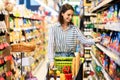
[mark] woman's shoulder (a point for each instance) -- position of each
(54, 26)
(57, 24)
(73, 26)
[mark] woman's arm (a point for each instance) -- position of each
(83, 39)
(51, 44)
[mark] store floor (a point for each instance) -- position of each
(41, 70)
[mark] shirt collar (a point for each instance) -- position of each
(59, 25)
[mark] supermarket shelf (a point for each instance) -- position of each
(90, 14)
(85, 79)
(112, 26)
(114, 51)
(96, 78)
(113, 29)
(111, 54)
(87, 33)
(40, 18)
(95, 59)
(103, 3)
(88, 59)
(19, 29)
(72, 3)
(88, 48)
(23, 39)
(29, 37)
(107, 77)
(88, 22)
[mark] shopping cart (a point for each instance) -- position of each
(57, 71)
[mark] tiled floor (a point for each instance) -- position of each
(41, 70)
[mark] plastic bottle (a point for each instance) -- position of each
(58, 78)
(52, 78)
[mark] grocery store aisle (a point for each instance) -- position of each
(41, 70)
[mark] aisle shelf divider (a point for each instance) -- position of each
(90, 14)
(103, 3)
(72, 3)
(110, 26)
(114, 26)
(29, 28)
(87, 33)
(107, 77)
(88, 48)
(109, 53)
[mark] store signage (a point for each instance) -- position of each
(27, 61)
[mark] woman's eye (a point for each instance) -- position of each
(70, 15)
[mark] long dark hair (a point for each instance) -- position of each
(63, 9)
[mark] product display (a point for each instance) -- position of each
(106, 53)
(22, 40)
(6, 59)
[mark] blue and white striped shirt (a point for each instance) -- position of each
(60, 40)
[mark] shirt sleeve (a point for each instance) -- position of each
(83, 39)
(51, 44)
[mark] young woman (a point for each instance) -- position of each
(63, 36)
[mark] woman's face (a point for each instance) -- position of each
(67, 16)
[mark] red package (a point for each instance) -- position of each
(9, 73)
(1, 78)
(68, 76)
(7, 58)
(1, 61)
(66, 69)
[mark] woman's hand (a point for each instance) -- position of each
(51, 65)
(98, 39)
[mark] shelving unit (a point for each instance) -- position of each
(111, 54)
(107, 77)
(105, 54)
(34, 32)
(15, 27)
(85, 21)
(6, 59)
(103, 5)
(111, 26)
